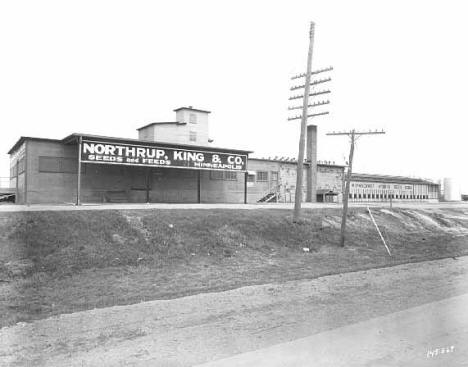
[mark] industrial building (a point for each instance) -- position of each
(176, 162)
(366, 187)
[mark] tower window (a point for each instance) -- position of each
(193, 136)
(193, 118)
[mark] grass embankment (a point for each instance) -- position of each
(61, 262)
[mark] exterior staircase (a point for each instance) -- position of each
(268, 197)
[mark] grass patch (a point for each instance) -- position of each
(62, 262)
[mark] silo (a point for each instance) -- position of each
(451, 190)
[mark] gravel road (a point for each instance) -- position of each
(201, 328)
(130, 206)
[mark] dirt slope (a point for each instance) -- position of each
(53, 263)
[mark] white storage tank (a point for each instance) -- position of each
(451, 190)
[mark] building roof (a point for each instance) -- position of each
(72, 138)
(191, 109)
(387, 178)
(294, 161)
(162, 123)
(22, 139)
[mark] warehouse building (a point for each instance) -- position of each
(366, 187)
(170, 162)
(176, 162)
(274, 180)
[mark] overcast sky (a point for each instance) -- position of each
(109, 67)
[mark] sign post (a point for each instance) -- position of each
(78, 183)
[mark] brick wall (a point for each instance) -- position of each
(329, 177)
(47, 187)
(104, 183)
(285, 186)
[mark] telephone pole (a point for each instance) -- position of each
(305, 115)
(354, 135)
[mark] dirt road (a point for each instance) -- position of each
(148, 206)
(434, 334)
(201, 328)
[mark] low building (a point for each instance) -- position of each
(160, 166)
(365, 187)
(274, 180)
(176, 162)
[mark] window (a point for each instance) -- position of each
(21, 165)
(58, 165)
(216, 175)
(250, 178)
(262, 176)
(193, 118)
(13, 171)
(49, 164)
(193, 136)
(226, 176)
(230, 176)
(274, 176)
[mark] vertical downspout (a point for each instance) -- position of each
(17, 183)
(245, 186)
(26, 157)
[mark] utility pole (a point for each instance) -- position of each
(354, 135)
(305, 116)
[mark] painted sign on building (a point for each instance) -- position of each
(379, 186)
(153, 156)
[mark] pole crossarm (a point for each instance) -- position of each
(354, 135)
(310, 94)
(314, 82)
(319, 103)
(356, 132)
(311, 115)
(329, 68)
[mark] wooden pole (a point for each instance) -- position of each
(347, 188)
(354, 135)
(78, 184)
(300, 159)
